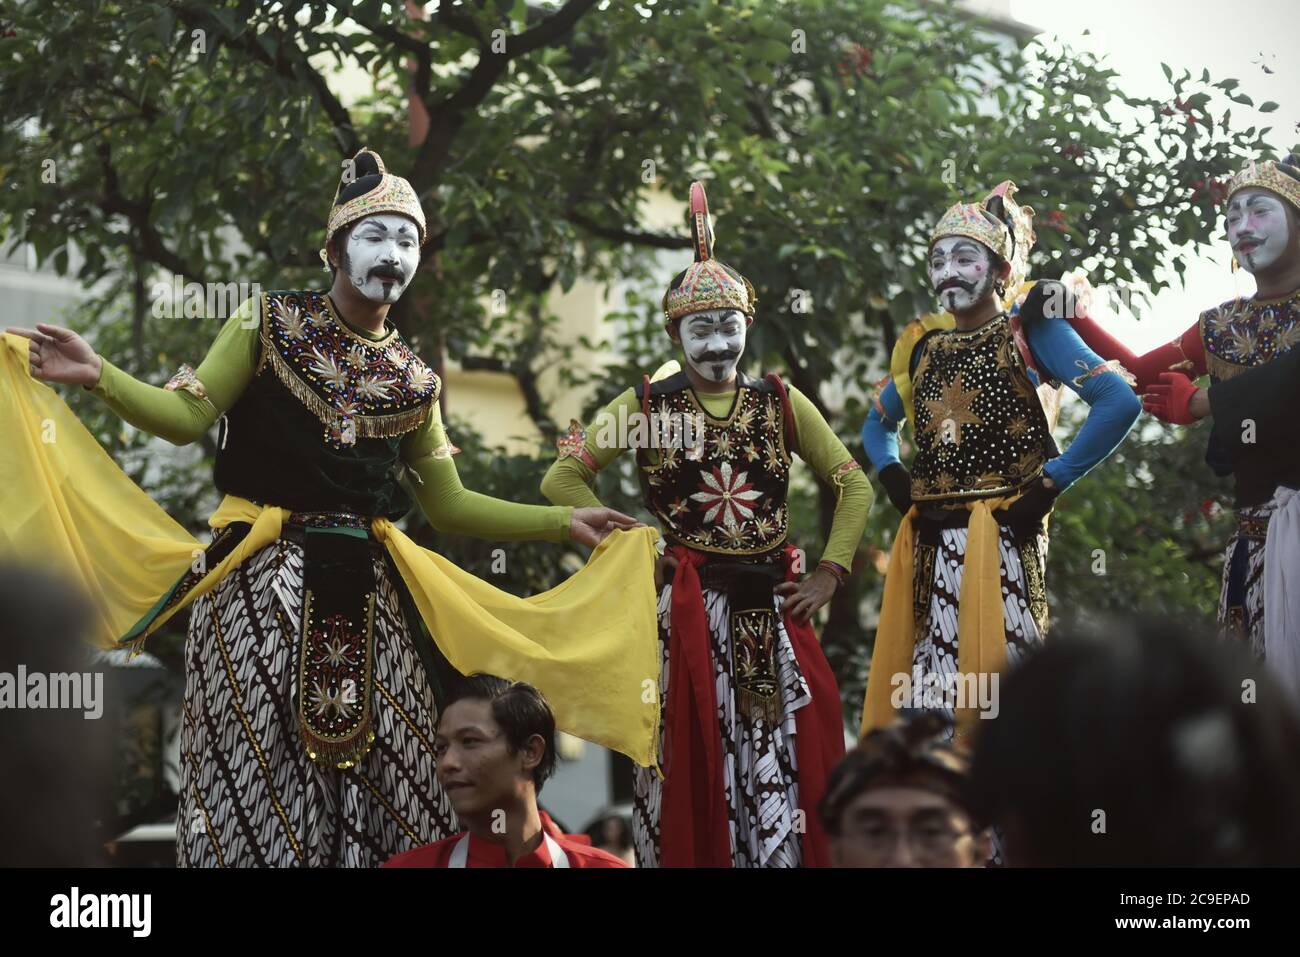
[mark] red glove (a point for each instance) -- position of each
(1167, 400)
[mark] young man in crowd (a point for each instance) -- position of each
(495, 747)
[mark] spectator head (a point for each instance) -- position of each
(1150, 745)
(897, 800)
(495, 744)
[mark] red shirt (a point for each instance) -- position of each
(487, 854)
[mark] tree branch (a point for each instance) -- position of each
(151, 244)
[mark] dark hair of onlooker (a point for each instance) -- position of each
(519, 709)
(1148, 745)
(912, 753)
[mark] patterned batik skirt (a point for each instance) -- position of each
(1241, 599)
(937, 592)
(250, 795)
(760, 772)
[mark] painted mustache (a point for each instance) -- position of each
(956, 284)
(726, 356)
(1248, 239)
(388, 273)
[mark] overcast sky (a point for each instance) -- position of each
(1231, 39)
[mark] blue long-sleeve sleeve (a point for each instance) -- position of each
(880, 434)
(1062, 355)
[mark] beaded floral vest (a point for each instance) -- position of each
(980, 430)
(718, 484)
(320, 425)
(1244, 333)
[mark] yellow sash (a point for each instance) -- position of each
(590, 644)
(981, 627)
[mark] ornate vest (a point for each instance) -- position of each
(1244, 333)
(1240, 335)
(980, 428)
(718, 485)
(319, 427)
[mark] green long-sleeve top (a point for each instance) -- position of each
(569, 480)
(181, 417)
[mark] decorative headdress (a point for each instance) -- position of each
(998, 222)
(1281, 178)
(367, 189)
(706, 283)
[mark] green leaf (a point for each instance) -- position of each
(1268, 107)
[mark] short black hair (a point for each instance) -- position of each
(521, 711)
(915, 752)
(1149, 722)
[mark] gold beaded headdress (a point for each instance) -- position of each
(706, 283)
(998, 222)
(367, 189)
(1266, 174)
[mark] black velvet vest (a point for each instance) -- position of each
(320, 425)
(980, 429)
(726, 494)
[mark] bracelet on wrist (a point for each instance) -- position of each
(838, 572)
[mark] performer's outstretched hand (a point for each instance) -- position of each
(60, 355)
(590, 525)
(802, 599)
(1176, 399)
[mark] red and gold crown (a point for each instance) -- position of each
(1008, 232)
(707, 283)
(368, 189)
(1265, 174)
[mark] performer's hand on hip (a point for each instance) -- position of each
(589, 526)
(898, 486)
(802, 599)
(1025, 515)
(1176, 399)
(665, 568)
(60, 355)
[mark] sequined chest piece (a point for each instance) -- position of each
(1242, 334)
(357, 388)
(980, 429)
(718, 485)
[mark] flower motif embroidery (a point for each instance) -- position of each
(328, 703)
(726, 495)
(373, 387)
(745, 419)
(420, 377)
(325, 367)
(722, 445)
(291, 322)
(394, 355)
(357, 358)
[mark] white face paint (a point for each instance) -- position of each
(714, 341)
(381, 255)
(1257, 229)
(961, 272)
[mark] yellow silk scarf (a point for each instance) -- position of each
(981, 627)
(590, 644)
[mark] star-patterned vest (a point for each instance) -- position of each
(319, 427)
(1239, 335)
(1244, 333)
(980, 428)
(721, 485)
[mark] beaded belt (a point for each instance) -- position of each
(331, 520)
(1252, 526)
